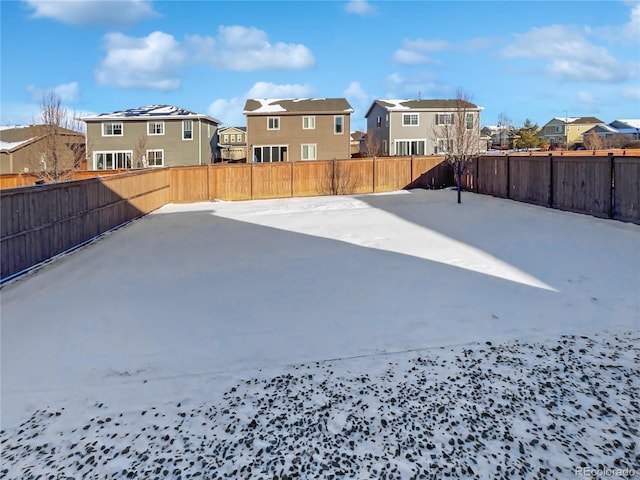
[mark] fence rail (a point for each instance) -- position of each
(604, 186)
(40, 222)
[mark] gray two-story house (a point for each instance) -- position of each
(298, 129)
(414, 127)
(152, 136)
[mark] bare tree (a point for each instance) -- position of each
(337, 179)
(372, 146)
(457, 135)
(61, 143)
(139, 152)
(593, 141)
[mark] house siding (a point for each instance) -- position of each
(177, 152)
(292, 135)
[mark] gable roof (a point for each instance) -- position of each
(293, 106)
(150, 111)
(13, 138)
(392, 105)
(633, 123)
(575, 120)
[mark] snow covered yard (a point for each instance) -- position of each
(383, 336)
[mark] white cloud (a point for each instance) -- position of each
(240, 48)
(356, 95)
(115, 13)
(68, 92)
(271, 90)
(414, 51)
(229, 111)
(423, 85)
(359, 7)
(629, 32)
(631, 93)
(150, 62)
(569, 55)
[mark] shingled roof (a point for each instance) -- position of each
(150, 111)
(416, 105)
(296, 106)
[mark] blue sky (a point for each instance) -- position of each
(520, 60)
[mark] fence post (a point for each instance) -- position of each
(508, 177)
(373, 174)
(476, 174)
(612, 186)
(291, 179)
(251, 181)
(551, 180)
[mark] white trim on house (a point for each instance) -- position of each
(113, 126)
(112, 159)
(309, 151)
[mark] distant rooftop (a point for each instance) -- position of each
(152, 111)
(297, 105)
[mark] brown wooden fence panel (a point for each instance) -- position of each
(353, 176)
(582, 184)
(231, 182)
(271, 180)
(530, 179)
(189, 184)
(491, 176)
(627, 189)
(312, 178)
(391, 173)
(39, 222)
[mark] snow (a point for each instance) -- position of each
(268, 105)
(361, 334)
(12, 145)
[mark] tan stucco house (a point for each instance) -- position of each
(151, 136)
(298, 129)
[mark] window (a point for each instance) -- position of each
(379, 121)
(385, 147)
(112, 160)
(226, 138)
(112, 129)
(444, 119)
(559, 129)
(338, 124)
(155, 158)
(155, 128)
(308, 152)
(444, 146)
(233, 138)
(270, 153)
(410, 147)
(187, 129)
(409, 119)
(470, 121)
(308, 123)
(273, 123)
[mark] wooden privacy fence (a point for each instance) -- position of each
(603, 186)
(252, 181)
(40, 222)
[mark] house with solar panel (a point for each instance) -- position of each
(151, 136)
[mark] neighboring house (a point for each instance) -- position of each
(27, 148)
(152, 136)
(298, 129)
(626, 130)
(233, 144)
(409, 127)
(497, 137)
(357, 139)
(566, 132)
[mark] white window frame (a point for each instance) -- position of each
(408, 120)
(470, 121)
(440, 142)
(309, 151)
(113, 128)
(225, 138)
(155, 127)
(155, 150)
(280, 148)
(114, 160)
(186, 123)
(335, 124)
(559, 129)
(233, 138)
(378, 121)
(408, 142)
(273, 123)
(309, 122)
(444, 118)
